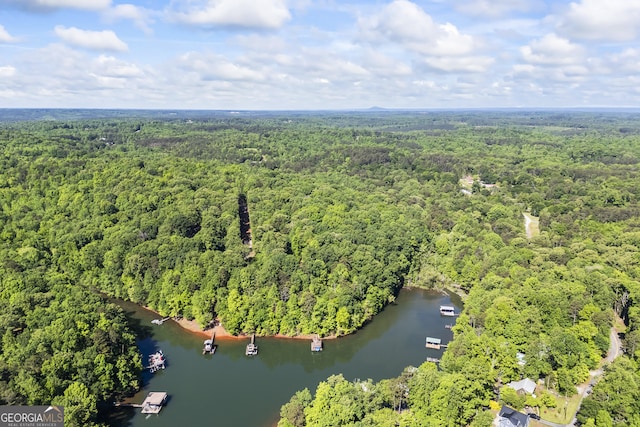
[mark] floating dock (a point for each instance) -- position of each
(156, 361)
(152, 404)
(209, 346)
(160, 321)
(435, 343)
(316, 344)
(447, 310)
(252, 348)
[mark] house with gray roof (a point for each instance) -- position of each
(509, 417)
(525, 386)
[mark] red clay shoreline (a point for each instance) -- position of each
(221, 334)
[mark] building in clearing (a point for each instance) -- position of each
(525, 386)
(509, 417)
(153, 402)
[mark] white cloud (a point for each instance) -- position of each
(611, 20)
(391, 53)
(407, 24)
(551, 79)
(57, 76)
(110, 66)
(93, 40)
(110, 72)
(140, 16)
(466, 64)
(214, 67)
(267, 14)
(261, 42)
(5, 37)
(626, 62)
(43, 5)
(336, 60)
(7, 71)
(627, 83)
(553, 50)
(494, 8)
(384, 65)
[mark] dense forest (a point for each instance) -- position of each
(343, 210)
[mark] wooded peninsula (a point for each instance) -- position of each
(310, 223)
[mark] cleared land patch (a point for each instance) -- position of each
(531, 225)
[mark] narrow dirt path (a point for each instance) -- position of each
(615, 347)
(531, 225)
(615, 350)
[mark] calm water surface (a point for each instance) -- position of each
(231, 389)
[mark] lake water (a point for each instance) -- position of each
(231, 389)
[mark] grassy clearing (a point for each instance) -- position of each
(531, 225)
(619, 325)
(559, 414)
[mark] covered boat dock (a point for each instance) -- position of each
(152, 404)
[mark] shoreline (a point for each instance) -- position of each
(446, 289)
(220, 333)
(192, 327)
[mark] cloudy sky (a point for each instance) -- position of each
(324, 54)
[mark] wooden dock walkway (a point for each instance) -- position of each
(127, 405)
(152, 404)
(252, 348)
(209, 345)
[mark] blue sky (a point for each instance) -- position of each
(326, 54)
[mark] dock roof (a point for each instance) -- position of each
(155, 398)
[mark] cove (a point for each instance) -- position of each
(231, 389)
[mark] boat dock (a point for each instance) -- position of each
(252, 348)
(152, 404)
(435, 343)
(447, 310)
(316, 344)
(209, 346)
(156, 361)
(433, 360)
(160, 321)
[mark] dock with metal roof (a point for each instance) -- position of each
(152, 404)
